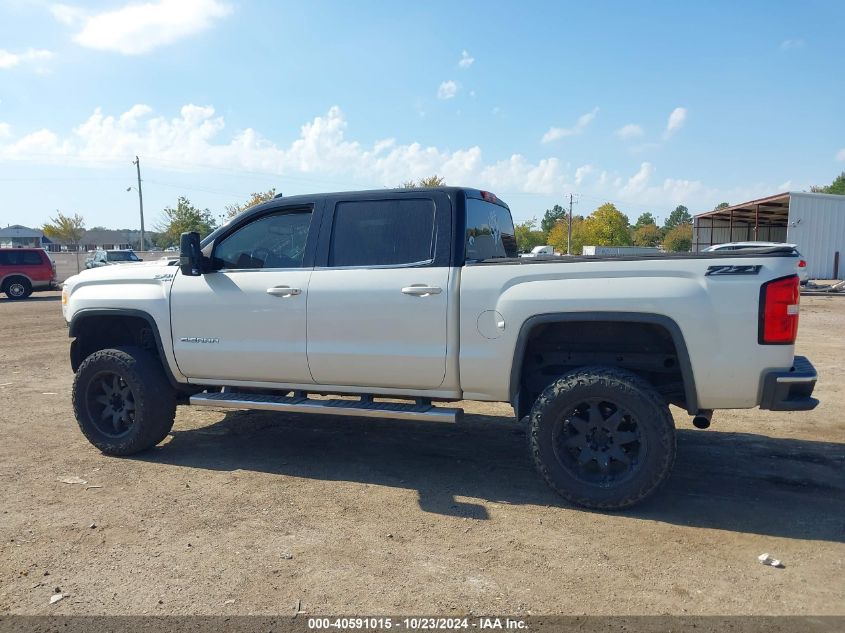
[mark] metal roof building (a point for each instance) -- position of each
(814, 222)
(17, 235)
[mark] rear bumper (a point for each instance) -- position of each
(790, 389)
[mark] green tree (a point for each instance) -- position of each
(431, 181)
(256, 198)
(184, 217)
(606, 226)
(645, 219)
(528, 236)
(648, 235)
(679, 239)
(837, 186)
(678, 217)
(550, 218)
(722, 205)
(558, 235)
(67, 229)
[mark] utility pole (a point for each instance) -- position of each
(137, 163)
(569, 228)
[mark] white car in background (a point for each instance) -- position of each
(803, 274)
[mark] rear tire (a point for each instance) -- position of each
(123, 401)
(602, 438)
(17, 288)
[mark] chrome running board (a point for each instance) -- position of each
(364, 408)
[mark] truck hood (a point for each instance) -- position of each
(129, 271)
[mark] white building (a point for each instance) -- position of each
(815, 222)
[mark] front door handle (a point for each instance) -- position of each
(283, 291)
(420, 290)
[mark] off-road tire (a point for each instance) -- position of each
(17, 288)
(653, 424)
(153, 398)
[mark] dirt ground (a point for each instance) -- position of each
(248, 512)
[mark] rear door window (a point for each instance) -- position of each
(31, 258)
(383, 233)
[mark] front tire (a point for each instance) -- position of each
(602, 438)
(123, 401)
(18, 288)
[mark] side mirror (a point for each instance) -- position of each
(190, 257)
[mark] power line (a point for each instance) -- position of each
(176, 185)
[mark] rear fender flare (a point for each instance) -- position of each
(622, 317)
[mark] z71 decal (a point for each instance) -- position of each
(733, 270)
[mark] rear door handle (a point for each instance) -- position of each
(283, 291)
(420, 290)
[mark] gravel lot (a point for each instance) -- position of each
(248, 512)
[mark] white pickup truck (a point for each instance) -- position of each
(417, 295)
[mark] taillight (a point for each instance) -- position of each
(779, 311)
(802, 263)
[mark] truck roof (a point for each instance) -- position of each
(365, 193)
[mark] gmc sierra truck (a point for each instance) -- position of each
(409, 299)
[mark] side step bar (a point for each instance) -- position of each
(364, 408)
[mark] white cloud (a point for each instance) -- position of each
(840, 155)
(555, 133)
(447, 90)
(196, 140)
(638, 182)
(785, 186)
(135, 29)
(466, 60)
(788, 45)
(676, 121)
(31, 56)
(630, 132)
(582, 172)
(67, 14)
(192, 141)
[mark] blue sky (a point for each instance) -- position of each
(647, 105)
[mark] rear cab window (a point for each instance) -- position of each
(489, 231)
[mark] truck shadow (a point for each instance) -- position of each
(729, 481)
(33, 299)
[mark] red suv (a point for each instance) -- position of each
(23, 270)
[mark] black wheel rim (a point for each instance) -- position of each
(111, 404)
(16, 289)
(599, 442)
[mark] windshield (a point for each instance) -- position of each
(122, 256)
